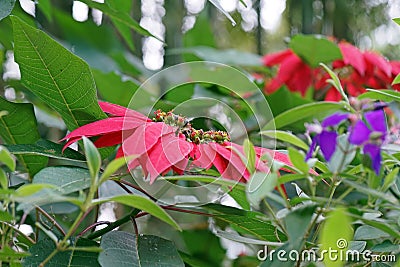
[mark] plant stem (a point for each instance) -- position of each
(51, 219)
(277, 221)
(114, 225)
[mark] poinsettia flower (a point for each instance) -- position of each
(326, 137)
(169, 142)
(293, 72)
(371, 134)
(357, 70)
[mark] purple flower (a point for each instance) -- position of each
(371, 134)
(326, 137)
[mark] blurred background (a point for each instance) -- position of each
(261, 26)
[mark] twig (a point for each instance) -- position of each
(51, 219)
(92, 226)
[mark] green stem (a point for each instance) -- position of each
(114, 225)
(277, 221)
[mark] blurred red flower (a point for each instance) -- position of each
(357, 71)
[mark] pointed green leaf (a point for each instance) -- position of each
(250, 154)
(56, 76)
(384, 95)
(46, 148)
(81, 254)
(6, 6)
(286, 137)
(298, 159)
(67, 179)
(92, 157)
(143, 204)
(332, 239)
(335, 82)
(123, 249)
(6, 158)
(19, 127)
(315, 49)
(260, 185)
(113, 166)
(306, 111)
(120, 17)
(3, 179)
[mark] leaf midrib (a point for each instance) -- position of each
(52, 78)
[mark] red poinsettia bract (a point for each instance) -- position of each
(357, 71)
(169, 142)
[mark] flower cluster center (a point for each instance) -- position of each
(184, 127)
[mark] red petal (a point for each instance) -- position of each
(121, 111)
(289, 67)
(169, 152)
(276, 58)
(109, 125)
(379, 62)
(145, 137)
(111, 139)
(353, 57)
(260, 166)
(333, 95)
(205, 156)
(231, 157)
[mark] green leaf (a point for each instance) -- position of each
(68, 258)
(5, 217)
(338, 240)
(396, 79)
(66, 179)
(113, 88)
(19, 127)
(247, 222)
(206, 179)
(286, 137)
(366, 232)
(30, 189)
(7, 254)
(48, 149)
(120, 17)
(124, 249)
(229, 56)
(315, 49)
(93, 157)
(259, 186)
(384, 95)
(203, 245)
(306, 111)
(250, 154)
(297, 222)
(113, 166)
(390, 179)
(125, 31)
(298, 159)
(6, 6)
(46, 8)
(3, 179)
(56, 76)
(217, 4)
(239, 196)
(335, 82)
(368, 191)
(143, 204)
(397, 20)
(6, 158)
